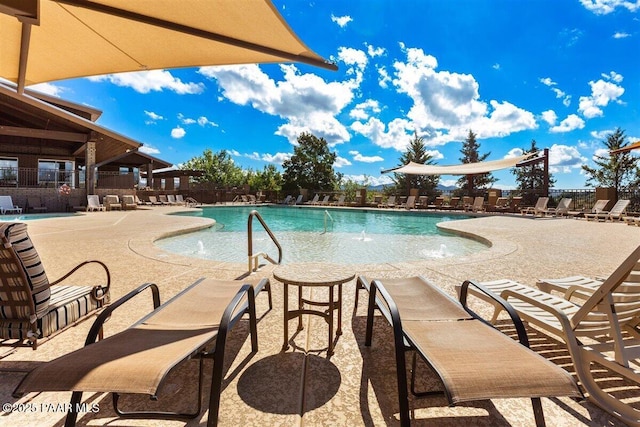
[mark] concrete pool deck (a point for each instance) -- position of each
(356, 386)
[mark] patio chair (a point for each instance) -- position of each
(538, 209)
(339, 202)
(615, 214)
(171, 199)
(473, 360)
(500, 205)
(193, 324)
(410, 203)
(562, 209)
(437, 203)
(34, 204)
(112, 202)
(129, 202)
(31, 307)
(325, 200)
(603, 330)
(93, 203)
(313, 201)
(163, 200)
(598, 206)
(390, 203)
(478, 205)
(7, 206)
(154, 201)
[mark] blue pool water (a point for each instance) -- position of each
(331, 235)
(30, 217)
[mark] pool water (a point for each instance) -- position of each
(330, 235)
(31, 217)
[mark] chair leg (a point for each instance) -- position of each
(537, 411)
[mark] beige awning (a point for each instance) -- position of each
(629, 147)
(47, 40)
(412, 168)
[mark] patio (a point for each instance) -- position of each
(356, 386)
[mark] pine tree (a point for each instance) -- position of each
(531, 177)
(618, 171)
(470, 154)
(416, 152)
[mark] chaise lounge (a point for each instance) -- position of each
(473, 360)
(193, 324)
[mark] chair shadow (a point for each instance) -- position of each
(272, 385)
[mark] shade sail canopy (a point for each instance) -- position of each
(47, 40)
(629, 147)
(412, 168)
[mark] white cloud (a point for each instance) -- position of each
(396, 135)
(305, 101)
(277, 158)
(365, 159)
(572, 122)
(48, 89)
(549, 116)
(601, 153)
(384, 79)
(602, 93)
(604, 7)
(371, 180)
(178, 132)
(341, 162)
(496, 66)
(564, 158)
(361, 111)
(375, 51)
(514, 152)
(153, 116)
(342, 21)
(566, 99)
(446, 104)
(147, 81)
(621, 35)
(601, 134)
(203, 121)
(547, 81)
(435, 154)
(147, 149)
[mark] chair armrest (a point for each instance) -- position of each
(105, 314)
(582, 292)
(515, 318)
(97, 289)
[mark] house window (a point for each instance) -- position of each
(55, 172)
(8, 171)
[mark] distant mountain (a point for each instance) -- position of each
(440, 187)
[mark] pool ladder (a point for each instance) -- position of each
(254, 258)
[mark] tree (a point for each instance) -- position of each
(531, 177)
(311, 166)
(618, 171)
(219, 168)
(417, 153)
(469, 185)
(269, 179)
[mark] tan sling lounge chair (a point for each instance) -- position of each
(615, 214)
(31, 307)
(602, 330)
(562, 209)
(193, 324)
(474, 360)
(390, 203)
(93, 203)
(598, 207)
(538, 209)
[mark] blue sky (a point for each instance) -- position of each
(563, 72)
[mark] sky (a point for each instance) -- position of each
(565, 73)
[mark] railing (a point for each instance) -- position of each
(253, 258)
(326, 214)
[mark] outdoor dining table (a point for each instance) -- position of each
(311, 275)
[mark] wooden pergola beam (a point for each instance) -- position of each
(43, 134)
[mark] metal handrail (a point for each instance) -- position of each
(253, 258)
(326, 214)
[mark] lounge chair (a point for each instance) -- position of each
(112, 202)
(33, 308)
(452, 205)
(180, 199)
(562, 209)
(324, 201)
(514, 204)
(390, 203)
(7, 206)
(298, 200)
(129, 202)
(437, 203)
(154, 201)
(193, 324)
(377, 200)
(598, 206)
(162, 198)
(314, 201)
(478, 205)
(93, 203)
(615, 214)
(500, 205)
(603, 330)
(339, 202)
(34, 204)
(171, 199)
(538, 209)
(473, 360)
(410, 203)
(191, 202)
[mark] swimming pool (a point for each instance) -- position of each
(347, 236)
(31, 217)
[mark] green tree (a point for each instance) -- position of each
(618, 171)
(416, 152)
(219, 168)
(531, 177)
(268, 179)
(470, 185)
(311, 166)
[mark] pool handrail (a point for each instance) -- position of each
(253, 258)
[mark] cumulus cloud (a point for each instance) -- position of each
(152, 117)
(341, 162)
(384, 78)
(370, 180)
(147, 81)
(357, 157)
(514, 152)
(397, 134)
(362, 111)
(496, 66)
(277, 158)
(203, 121)
(572, 122)
(306, 102)
(178, 132)
(604, 7)
(621, 35)
(549, 116)
(566, 99)
(447, 104)
(147, 149)
(564, 158)
(375, 51)
(342, 21)
(48, 89)
(603, 92)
